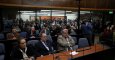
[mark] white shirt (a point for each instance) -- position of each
(24, 53)
(45, 46)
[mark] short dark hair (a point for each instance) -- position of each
(19, 39)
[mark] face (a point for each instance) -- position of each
(44, 37)
(14, 30)
(65, 33)
(22, 43)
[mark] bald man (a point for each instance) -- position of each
(65, 41)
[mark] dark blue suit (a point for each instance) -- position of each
(42, 50)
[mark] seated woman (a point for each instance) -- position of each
(22, 52)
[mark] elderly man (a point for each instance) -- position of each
(65, 41)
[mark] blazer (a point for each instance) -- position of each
(41, 49)
(63, 43)
(16, 54)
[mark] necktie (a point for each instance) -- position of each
(44, 43)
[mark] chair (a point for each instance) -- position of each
(23, 34)
(75, 47)
(83, 42)
(37, 32)
(2, 36)
(2, 57)
(73, 32)
(32, 43)
(2, 51)
(75, 39)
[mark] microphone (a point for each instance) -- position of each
(71, 50)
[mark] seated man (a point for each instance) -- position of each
(44, 46)
(22, 52)
(65, 41)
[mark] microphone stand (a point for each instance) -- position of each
(53, 51)
(71, 49)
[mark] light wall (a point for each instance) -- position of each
(27, 16)
(24, 17)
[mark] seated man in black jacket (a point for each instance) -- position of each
(44, 46)
(22, 52)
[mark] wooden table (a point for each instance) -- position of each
(66, 55)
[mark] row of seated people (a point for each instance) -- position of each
(43, 47)
(14, 34)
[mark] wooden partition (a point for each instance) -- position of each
(58, 4)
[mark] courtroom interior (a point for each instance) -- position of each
(57, 30)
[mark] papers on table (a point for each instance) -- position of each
(74, 52)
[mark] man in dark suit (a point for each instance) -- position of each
(22, 52)
(44, 46)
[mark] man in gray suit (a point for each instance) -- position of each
(65, 41)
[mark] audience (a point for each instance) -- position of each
(59, 32)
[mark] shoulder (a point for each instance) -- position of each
(29, 46)
(48, 41)
(70, 36)
(16, 48)
(60, 36)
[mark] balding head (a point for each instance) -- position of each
(65, 32)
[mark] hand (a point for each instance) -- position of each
(41, 55)
(49, 54)
(26, 58)
(31, 58)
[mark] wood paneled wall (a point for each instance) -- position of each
(96, 4)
